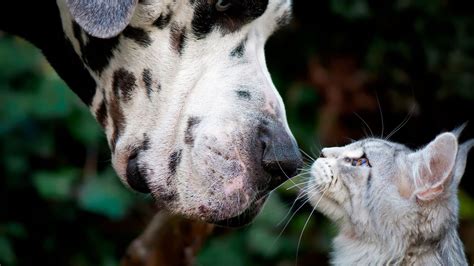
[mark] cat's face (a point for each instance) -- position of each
(375, 186)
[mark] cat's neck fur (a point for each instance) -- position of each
(350, 249)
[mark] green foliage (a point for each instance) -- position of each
(57, 188)
(57, 185)
(105, 195)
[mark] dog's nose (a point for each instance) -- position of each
(281, 157)
(135, 178)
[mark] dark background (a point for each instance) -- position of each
(339, 65)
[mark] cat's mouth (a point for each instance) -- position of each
(246, 217)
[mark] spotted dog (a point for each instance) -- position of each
(182, 91)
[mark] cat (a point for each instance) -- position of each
(392, 205)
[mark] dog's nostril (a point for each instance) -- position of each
(281, 157)
(135, 179)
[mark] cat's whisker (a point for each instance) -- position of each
(301, 195)
(316, 187)
(351, 139)
(276, 188)
(287, 213)
(291, 217)
(366, 134)
(297, 185)
(365, 123)
(307, 155)
(306, 223)
(316, 151)
(402, 124)
(381, 114)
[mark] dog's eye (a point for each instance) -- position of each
(223, 5)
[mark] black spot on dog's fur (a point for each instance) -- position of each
(204, 19)
(241, 12)
(175, 159)
(147, 79)
(138, 35)
(101, 112)
(118, 119)
(97, 52)
(244, 94)
(189, 134)
(240, 49)
(162, 21)
(146, 142)
(124, 82)
(178, 38)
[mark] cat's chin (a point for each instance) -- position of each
(244, 218)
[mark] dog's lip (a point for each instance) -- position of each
(245, 217)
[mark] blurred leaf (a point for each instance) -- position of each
(230, 252)
(89, 131)
(20, 60)
(264, 235)
(105, 195)
(16, 164)
(15, 230)
(56, 185)
(7, 255)
(273, 210)
(351, 9)
(50, 99)
(429, 6)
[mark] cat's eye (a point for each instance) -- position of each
(223, 5)
(362, 161)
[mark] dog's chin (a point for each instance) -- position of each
(246, 217)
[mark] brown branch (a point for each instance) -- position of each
(167, 240)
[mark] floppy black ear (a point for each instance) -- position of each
(102, 18)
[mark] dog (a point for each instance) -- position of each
(182, 91)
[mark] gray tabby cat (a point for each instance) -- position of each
(392, 205)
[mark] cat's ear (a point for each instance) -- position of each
(461, 160)
(461, 157)
(433, 165)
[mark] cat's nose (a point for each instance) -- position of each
(281, 157)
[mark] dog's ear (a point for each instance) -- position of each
(102, 18)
